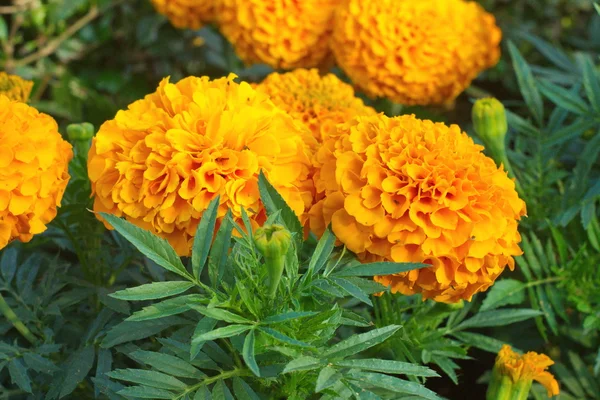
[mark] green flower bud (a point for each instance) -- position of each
(84, 131)
(273, 242)
(489, 121)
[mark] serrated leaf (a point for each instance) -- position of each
(3, 30)
(393, 384)
(168, 364)
(243, 391)
(563, 98)
(217, 258)
(248, 353)
(505, 291)
(221, 391)
(155, 248)
(152, 291)
(127, 331)
(204, 236)
(283, 338)
(527, 84)
(379, 268)
(77, 368)
(591, 80)
(479, 341)
(288, 316)
(145, 392)
(8, 264)
(502, 317)
(221, 315)
(148, 378)
(39, 363)
(204, 325)
(387, 366)
(352, 290)
(166, 308)
(18, 375)
(303, 364)
(327, 377)
(357, 343)
(225, 332)
(322, 252)
(203, 394)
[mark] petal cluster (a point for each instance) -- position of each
(33, 170)
(414, 52)
(160, 162)
(408, 190)
(320, 102)
(183, 14)
(527, 367)
(15, 87)
(281, 33)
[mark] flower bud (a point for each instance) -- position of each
(83, 131)
(489, 121)
(273, 242)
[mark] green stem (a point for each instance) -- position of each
(521, 390)
(208, 381)
(14, 319)
(275, 267)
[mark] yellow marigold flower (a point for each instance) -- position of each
(320, 102)
(408, 190)
(15, 87)
(414, 52)
(184, 14)
(521, 370)
(33, 170)
(161, 162)
(281, 33)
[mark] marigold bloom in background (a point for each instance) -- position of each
(183, 14)
(33, 170)
(284, 34)
(162, 161)
(408, 190)
(414, 52)
(513, 375)
(15, 87)
(320, 102)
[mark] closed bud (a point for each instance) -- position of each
(489, 121)
(273, 242)
(83, 131)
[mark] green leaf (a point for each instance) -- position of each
(276, 319)
(327, 377)
(221, 315)
(3, 30)
(392, 384)
(597, 6)
(479, 341)
(152, 291)
(589, 383)
(387, 366)
(505, 291)
(77, 368)
(205, 325)
(18, 375)
(168, 364)
(357, 343)
(563, 98)
(204, 237)
(203, 394)
(221, 391)
(303, 364)
(322, 252)
(225, 332)
(220, 250)
(166, 308)
(248, 353)
(155, 248)
(243, 391)
(527, 84)
(8, 264)
(448, 366)
(39, 363)
(498, 318)
(379, 268)
(591, 80)
(352, 290)
(148, 378)
(273, 202)
(145, 392)
(127, 331)
(283, 338)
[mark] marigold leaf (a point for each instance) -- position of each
(148, 378)
(152, 291)
(204, 237)
(357, 343)
(322, 252)
(283, 338)
(18, 375)
(379, 268)
(527, 84)
(276, 319)
(327, 377)
(145, 392)
(505, 291)
(563, 98)
(225, 332)
(243, 391)
(219, 252)
(221, 315)
(168, 364)
(303, 364)
(502, 317)
(248, 353)
(387, 366)
(392, 384)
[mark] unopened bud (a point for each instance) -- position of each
(273, 242)
(83, 131)
(489, 120)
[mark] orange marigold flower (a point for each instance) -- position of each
(414, 52)
(320, 102)
(281, 33)
(183, 14)
(15, 87)
(526, 368)
(163, 160)
(33, 170)
(408, 190)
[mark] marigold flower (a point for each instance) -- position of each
(284, 34)
(163, 160)
(320, 102)
(183, 14)
(414, 52)
(408, 190)
(33, 170)
(15, 87)
(521, 371)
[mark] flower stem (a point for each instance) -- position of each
(14, 319)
